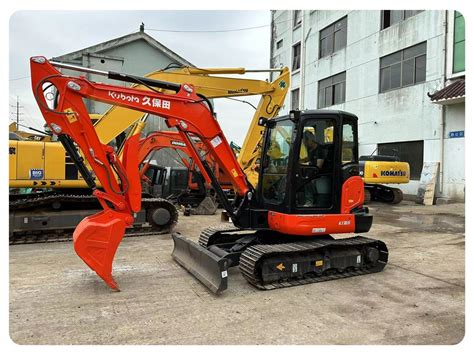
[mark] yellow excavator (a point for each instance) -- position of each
(54, 184)
(380, 170)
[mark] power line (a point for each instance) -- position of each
(193, 31)
(31, 121)
(23, 77)
(208, 31)
(217, 31)
(17, 110)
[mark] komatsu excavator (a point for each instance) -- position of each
(46, 165)
(380, 170)
(281, 234)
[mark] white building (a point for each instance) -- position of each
(137, 53)
(381, 66)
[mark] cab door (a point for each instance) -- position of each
(315, 166)
(275, 162)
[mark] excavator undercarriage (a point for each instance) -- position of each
(50, 217)
(270, 260)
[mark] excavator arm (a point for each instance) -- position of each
(97, 237)
(118, 118)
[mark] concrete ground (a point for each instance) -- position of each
(417, 299)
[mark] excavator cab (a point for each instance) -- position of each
(316, 155)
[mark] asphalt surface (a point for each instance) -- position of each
(417, 299)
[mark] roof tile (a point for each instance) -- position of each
(453, 90)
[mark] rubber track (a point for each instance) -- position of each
(251, 257)
(54, 237)
(49, 199)
(63, 236)
(207, 235)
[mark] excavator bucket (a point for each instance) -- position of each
(206, 266)
(96, 240)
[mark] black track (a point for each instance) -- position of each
(213, 234)
(293, 248)
(48, 236)
(254, 256)
(64, 236)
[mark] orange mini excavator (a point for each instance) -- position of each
(309, 185)
(172, 140)
(188, 186)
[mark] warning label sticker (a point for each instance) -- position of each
(216, 141)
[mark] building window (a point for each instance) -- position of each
(296, 57)
(279, 44)
(333, 38)
(391, 17)
(459, 43)
(403, 68)
(295, 99)
(332, 90)
(297, 15)
(410, 152)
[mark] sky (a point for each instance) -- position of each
(60, 32)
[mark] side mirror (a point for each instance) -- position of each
(262, 121)
(295, 115)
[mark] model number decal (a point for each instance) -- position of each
(238, 91)
(344, 223)
(178, 143)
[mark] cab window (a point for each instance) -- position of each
(275, 164)
(314, 176)
(348, 143)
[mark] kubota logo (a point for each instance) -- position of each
(145, 100)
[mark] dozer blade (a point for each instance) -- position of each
(96, 240)
(206, 266)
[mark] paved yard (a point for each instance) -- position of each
(417, 299)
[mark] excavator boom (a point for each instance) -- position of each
(97, 237)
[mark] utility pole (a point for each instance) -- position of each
(17, 113)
